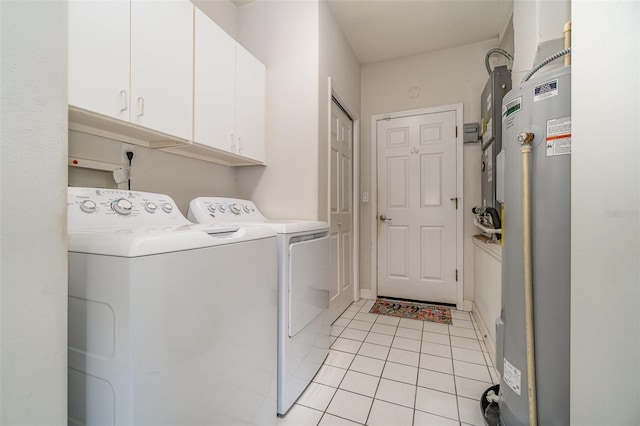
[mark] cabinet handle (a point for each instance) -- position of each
(240, 145)
(140, 106)
(233, 143)
(125, 104)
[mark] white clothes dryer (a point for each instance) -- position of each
(303, 283)
(170, 323)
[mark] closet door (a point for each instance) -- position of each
(214, 85)
(250, 105)
(99, 57)
(162, 66)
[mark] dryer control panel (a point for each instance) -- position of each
(91, 207)
(224, 210)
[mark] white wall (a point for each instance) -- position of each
(33, 247)
(444, 77)
(538, 32)
(605, 214)
(338, 62)
(284, 35)
(180, 177)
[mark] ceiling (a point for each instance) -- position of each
(381, 30)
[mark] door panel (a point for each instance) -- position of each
(416, 180)
(341, 211)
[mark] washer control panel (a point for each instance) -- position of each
(111, 207)
(224, 209)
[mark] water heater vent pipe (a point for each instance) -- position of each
(525, 140)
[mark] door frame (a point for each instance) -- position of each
(333, 92)
(458, 109)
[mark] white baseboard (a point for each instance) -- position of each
(366, 293)
(488, 341)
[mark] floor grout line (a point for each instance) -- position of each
(386, 361)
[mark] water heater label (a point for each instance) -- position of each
(512, 377)
(512, 107)
(559, 136)
(545, 90)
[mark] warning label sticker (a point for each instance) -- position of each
(559, 136)
(545, 90)
(512, 377)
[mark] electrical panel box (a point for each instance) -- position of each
(491, 131)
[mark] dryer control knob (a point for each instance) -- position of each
(122, 206)
(235, 208)
(222, 208)
(151, 207)
(167, 207)
(88, 206)
(246, 208)
(212, 208)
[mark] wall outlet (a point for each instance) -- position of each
(365, 197)
(127, 148)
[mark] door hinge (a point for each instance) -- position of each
(456, 275)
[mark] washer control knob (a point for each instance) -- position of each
(151, 207)
(222, 208)
(167, 207)
(246, 208)
(88, 206)
(122, 206)
(235, 208)
(212, 208)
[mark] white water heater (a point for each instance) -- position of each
(541, 106)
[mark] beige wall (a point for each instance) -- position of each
(338, 62)
(445, 77)
(605, 214)
(284, 36)
(181, 178)
(33, 246)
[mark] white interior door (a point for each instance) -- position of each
(417, 233)
(341, 214)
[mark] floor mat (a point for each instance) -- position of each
(412, 310)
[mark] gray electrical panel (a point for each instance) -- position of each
(541, 106)
(491, 128)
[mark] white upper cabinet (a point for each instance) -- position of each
(250, 105)
(134, 61)
(229, 93)
(99, 40)
(214, 85)
(162, 66)
(168, 75)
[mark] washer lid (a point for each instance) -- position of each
(146, 241)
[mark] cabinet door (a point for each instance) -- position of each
(162, 66)
(214, 85)
(250, 105)
(99, 57)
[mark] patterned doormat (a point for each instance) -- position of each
(412, 310)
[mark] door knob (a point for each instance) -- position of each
(384, 218)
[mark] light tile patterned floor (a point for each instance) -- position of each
(388, 371)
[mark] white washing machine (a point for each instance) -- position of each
(303, 281)
(170, 323)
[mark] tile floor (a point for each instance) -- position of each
(383, 370)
